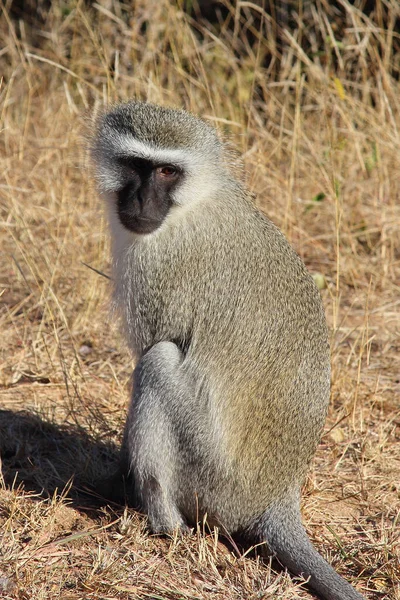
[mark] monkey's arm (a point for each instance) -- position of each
(163, 439)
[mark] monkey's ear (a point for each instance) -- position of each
(90, 121)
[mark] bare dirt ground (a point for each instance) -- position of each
(320, 144)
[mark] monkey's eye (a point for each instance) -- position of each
(167, 171)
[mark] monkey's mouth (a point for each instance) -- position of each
(138, 224)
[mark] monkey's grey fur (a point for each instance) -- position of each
(232, 382)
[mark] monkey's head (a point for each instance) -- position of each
(149, 159)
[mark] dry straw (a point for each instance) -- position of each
(312, 104)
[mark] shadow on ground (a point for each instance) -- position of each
(47, 458)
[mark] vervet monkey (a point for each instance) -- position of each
(232, 382)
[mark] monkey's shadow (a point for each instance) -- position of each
(48, 458)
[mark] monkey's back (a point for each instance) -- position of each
(251, 322)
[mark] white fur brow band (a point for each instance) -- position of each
(129, 146)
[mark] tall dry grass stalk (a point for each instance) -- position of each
(317, 124)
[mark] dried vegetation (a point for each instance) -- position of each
(314, 110)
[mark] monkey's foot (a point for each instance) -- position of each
(163, 529)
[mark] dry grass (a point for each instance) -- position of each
(324, 130)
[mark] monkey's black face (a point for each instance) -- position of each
(144, 202)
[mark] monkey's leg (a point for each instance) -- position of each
(287, 539)
(153, 428)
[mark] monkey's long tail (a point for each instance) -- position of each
(287, 539)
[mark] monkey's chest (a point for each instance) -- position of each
(159, 307)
